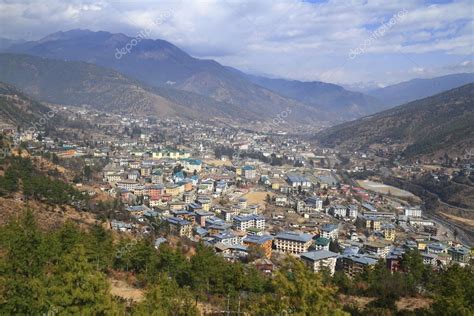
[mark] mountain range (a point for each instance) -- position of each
(419, 88)
(156, 77)
(443, 122)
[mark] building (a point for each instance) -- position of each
(313, 204)
(298, 181)
(377, 248)
(329, 231)
(354, 264)
(322, 243)
(292, 242)
(179, 227)
(249, 172)
(388, 231)
(227, 238)
(320, 259)
(372, 222)
(460, 255)
(338, 211)
(264, 242)
(412, 212)
(243, 222)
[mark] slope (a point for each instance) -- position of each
(444, 122)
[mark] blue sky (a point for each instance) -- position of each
(332, 40)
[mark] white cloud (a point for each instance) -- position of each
(288, 38)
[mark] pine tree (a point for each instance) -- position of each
(75, 287)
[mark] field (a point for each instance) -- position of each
(218, 162)
(384, 189)
(257, 197)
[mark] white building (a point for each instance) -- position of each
(292, 242)
(320, 259)
(242, 222)
(412, 212)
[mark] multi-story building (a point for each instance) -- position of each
(292, 242)
(354, 264)
(377, 248)
(320, 259)
(412, 212)
(460, 255)
(329, 231)
(264, 242)
(179, 227)
(227, 238)
(388, 230)
(338, 211)
(243, 222)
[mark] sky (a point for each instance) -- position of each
(357, 43)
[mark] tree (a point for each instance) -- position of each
(165, 297)
(299, 291)
(75, 287)
(21, 284)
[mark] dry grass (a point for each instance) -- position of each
(124, 290)
(459, 220)
(384, 189)
(218, 162)
(257, 197)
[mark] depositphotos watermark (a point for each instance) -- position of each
(125, 249)
(35, 126)
(378, 33)
(4, 153)
(469, 154)
(277, 121)
(143, 34)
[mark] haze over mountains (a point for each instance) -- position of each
(440, 122)
(156, 77)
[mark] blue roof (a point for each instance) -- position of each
(318, 255)
(255, 239)
(301, 237)
(362, 259)
(297, 178)
(244, 218)
(328, 227)
(177, 221)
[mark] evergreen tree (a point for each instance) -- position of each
(75, 287)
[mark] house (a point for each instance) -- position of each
(320, 259)
(460, 255)
(372, 222)
(202, 216)
(227, 238)
(352, 211)
(264, 265)
(264, 242)
(298, 181)
(338, 211)
(329, 231)
(137, 210)
(436, 248)
(179, 227)
(354, 264)
(242, 222)
(314, 204)
(292, 242)
(249, 172)
(281, 200)
(192, 165)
